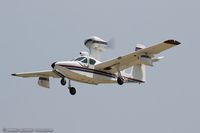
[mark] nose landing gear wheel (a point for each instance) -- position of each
(72, 90)
(63, 81)
(120, 81)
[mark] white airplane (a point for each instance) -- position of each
(88, 69)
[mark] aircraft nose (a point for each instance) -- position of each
(53, 64)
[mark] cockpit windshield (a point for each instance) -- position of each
(79, 58)
(85, 60)
(82, 59)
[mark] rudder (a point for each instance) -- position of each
(139, 70)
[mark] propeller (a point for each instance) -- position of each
(111, 43)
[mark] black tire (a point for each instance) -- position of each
(120, 81)
(72, 90)
(63, 81)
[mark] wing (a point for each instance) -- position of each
(126, 61)
(43, 76)
(47, 73)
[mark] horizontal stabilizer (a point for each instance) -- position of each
(157, 59)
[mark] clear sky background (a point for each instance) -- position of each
(35, 33)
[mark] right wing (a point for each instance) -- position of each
(126, 61)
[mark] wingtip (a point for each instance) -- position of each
(14, 74)
(174, 42)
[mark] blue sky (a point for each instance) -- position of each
(35, 33)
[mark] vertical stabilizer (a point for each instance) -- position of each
(139, 70)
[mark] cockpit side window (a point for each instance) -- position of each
(92, 62)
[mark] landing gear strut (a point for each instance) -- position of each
(72, 90)
(63, 81)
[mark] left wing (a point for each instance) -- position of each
(43, 76)
(124, 62)
(47, 73)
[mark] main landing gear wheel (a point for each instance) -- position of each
(120, 81)
(63, 81)
(72, 90)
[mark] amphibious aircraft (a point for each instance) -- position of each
(88, 69)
